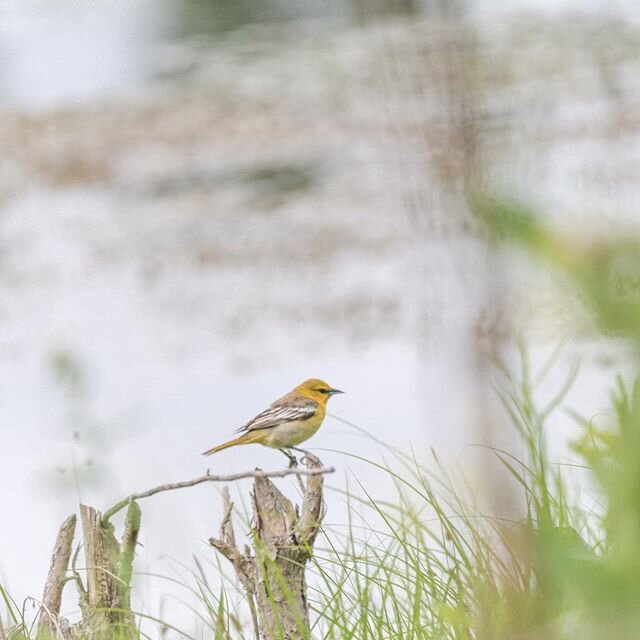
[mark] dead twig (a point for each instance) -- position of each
(242, 563)
(258, 473)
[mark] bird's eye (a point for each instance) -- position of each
(323, 390)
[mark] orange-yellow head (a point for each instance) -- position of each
(317, 390)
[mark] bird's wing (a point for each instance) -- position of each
(276, 414)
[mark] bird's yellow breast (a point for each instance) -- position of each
(291, 434)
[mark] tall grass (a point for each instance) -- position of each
(430, 564)
(438, 567)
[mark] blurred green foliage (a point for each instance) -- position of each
(604, 271)
(90, 441)
(585, 590)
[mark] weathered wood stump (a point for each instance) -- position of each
(273, 573)
(105, 602)
(273, 576)
(50, 624)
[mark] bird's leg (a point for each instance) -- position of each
(293, 462)
(306, 455)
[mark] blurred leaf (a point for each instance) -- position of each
(605, 271)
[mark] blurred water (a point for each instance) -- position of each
(68, 50)
(208, 206)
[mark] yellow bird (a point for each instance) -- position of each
(288, 421)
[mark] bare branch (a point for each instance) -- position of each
(229, 552)
(243, 564)
(258, 473)
(226, 527)
(226, 543)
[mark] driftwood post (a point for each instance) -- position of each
(273, 577)
(49, 623)
(105, 602)
(273, 574)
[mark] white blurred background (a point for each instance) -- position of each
(203, 203)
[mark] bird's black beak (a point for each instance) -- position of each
(332, 392)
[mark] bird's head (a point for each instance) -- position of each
(317, 390)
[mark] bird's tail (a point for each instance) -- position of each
(245, 438)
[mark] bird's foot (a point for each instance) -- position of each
(293, 461)
(308, 459)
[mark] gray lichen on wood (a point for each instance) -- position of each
(273, 576)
